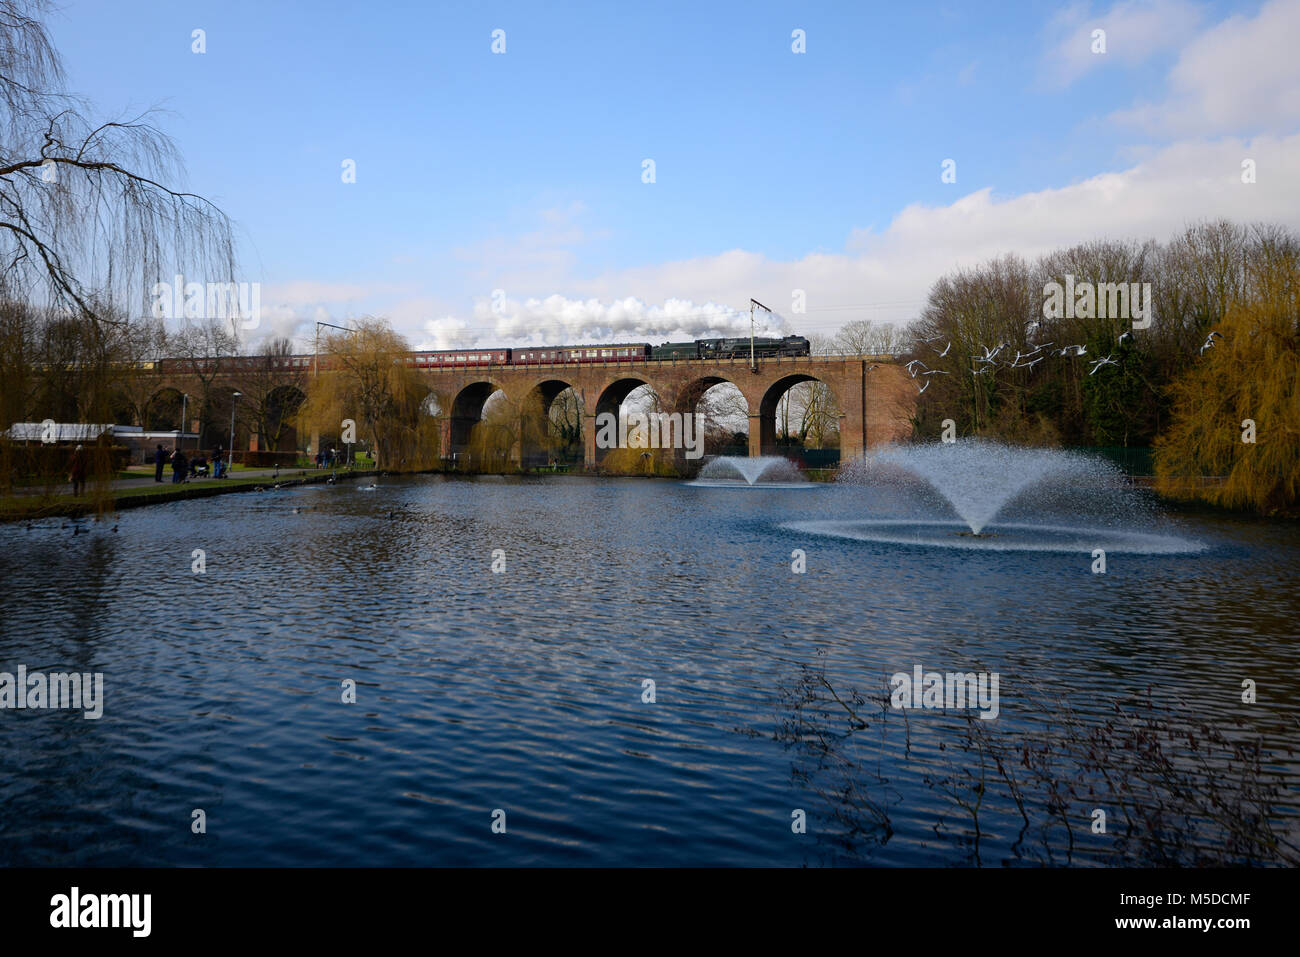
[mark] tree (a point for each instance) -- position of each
(90, 213)
(1236, 410)
(271, 391)
(202, 345)
(867, 338)
(366, 377)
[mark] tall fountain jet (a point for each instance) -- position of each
(1004, 498)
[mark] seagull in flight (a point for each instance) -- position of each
(945, 350)
(1098, 363)
(1209, 341)
(1076, 351)
(915, 362)
(1125, 337)
(924, 387)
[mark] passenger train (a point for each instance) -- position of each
(530, 355)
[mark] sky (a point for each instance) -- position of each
(501, 198)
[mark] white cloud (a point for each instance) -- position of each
(1240, 76)
(1135, 30)
(887, 275)
(882, 275)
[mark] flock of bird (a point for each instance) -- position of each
(1023, 360)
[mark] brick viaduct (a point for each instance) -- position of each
(875, 396)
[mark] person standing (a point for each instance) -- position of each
(77, 470)
(179, 463)
(159, 460)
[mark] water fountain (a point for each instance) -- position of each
(764, 471)
(1004, 498)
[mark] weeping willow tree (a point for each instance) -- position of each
(495, 440)
(366, 379)
(1236, 412)
(93, 215)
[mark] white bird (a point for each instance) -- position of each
(1098, 363)
(1124, 337)
(915, 362)
(980, 371)
(924, 387)
(945, 350)
(934, 372)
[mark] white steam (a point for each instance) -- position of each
(556, 320)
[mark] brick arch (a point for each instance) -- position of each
(466, 411)
(767, 405)
(535, 401)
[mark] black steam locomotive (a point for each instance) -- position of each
(731, 348)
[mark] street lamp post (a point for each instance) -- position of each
(234, 400)
(315, 367)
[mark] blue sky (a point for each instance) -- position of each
(775, 171)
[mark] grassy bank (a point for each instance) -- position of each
(21, 507)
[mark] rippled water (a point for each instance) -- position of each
(523, 690)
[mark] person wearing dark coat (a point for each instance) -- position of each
(179, 466)
(159, 460)
(77, 471)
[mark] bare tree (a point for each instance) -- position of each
(866, 338)
(272, 390)
(90, 211)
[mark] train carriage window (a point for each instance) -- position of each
(591, 353)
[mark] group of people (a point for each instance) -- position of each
(183, 466)
(325, 458)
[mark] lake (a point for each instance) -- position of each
(524, 690)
